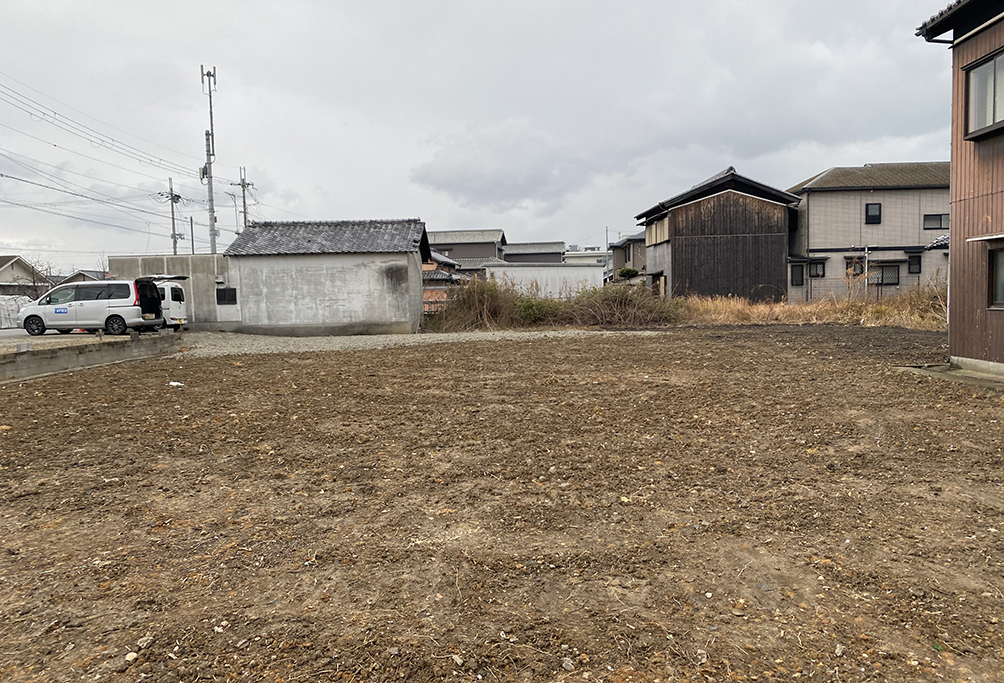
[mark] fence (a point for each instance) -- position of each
(9, 306)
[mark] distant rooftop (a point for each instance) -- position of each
(636, 237)
(535, 248)
(960, 17)
(729, 179)
(913, 175)
(466, 236)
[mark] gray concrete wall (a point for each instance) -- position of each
(206, 273)
(319, 294)
(550, 280)
(36, 362)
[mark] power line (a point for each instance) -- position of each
(80, 218)
(83, 196)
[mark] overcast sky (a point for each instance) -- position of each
(550, 120)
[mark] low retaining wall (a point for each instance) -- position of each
(46, 360)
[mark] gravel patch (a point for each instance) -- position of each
(208, 344)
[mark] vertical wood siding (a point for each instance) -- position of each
(977, 209)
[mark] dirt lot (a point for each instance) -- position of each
(718, 504)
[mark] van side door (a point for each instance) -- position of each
(58, 309)
(92, 305)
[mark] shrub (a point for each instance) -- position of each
(626, 273)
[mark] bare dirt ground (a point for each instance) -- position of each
(736, 503)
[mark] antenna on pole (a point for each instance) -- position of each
(244, 185)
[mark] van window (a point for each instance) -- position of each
(119, 290)
(160, 291)
(177, 294)
(90, 292)
(61, 296)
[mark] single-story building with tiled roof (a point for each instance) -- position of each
(329, 277)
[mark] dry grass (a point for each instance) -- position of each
(492, 305)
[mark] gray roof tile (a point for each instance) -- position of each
(535, 248)
(330, 237)
(466, 236)
(890, 176)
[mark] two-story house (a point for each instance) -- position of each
(874, 219)
(471, 249)
(629, 253)
(976, 294)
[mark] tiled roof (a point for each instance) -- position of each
(725, 179)
(936, 25)
(439, 258)
(476, 263)
(466, 236)
(923, 174)
(535, 248)
(329, 237)
(637, 237)
(939, 243)
(439, 276)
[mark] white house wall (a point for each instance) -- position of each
(554, 281)
(330, 293)
(837, 219)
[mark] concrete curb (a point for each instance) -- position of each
(30, 363)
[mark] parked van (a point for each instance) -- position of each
(112, 305)
(172, 300)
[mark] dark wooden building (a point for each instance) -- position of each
(728, 235)
(976, 287)
(534, 252)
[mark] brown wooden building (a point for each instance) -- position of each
(728, 235)
(976, 287)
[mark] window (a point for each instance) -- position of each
(873, 213)
(985, 98)
(797, 275)
(226, 296)
(119, 291)
(61, 296)
(160, 293)
(855, 266)
(178, 294)
(817, 269)
(913, 264)
(886, 275)
(935, 221)
(91, 292)
(997, 278)
(627, 254)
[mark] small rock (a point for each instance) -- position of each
(567, 664)
(458, 660)
(702, 657)
(738, 613)
(839, 650)
(707, 595)
(131, 657)
(394, 651)
(144, 642)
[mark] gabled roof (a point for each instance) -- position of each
(724, 180)
(8, 259)
(439, 258)
(405, 235)
(637, 237)
(466, 236)
(535, 248)
(961, 17)
(898, 176)
(92, 274)
(476, 263)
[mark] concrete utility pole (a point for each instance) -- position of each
(191, 228)
(209, 85)
(244, 185)
(174, 199)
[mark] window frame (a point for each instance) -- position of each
(879, 270)
(855, 264)
(800, 280)
(995, 126)
(944, 221)
(873, 219)
(995, 263)
(817, 269)
(226, 296)
(914, 264)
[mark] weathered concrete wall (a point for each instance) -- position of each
(35, 362)
(552, 280)
(318, 294)
(206, 273)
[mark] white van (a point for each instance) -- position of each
(172, 300)
(112, 305)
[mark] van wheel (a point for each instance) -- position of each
(115, 325)
(34, 326)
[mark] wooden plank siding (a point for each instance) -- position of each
(975, 331)
(726, 244)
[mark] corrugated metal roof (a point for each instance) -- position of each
(921, 174)
(466, 236)
(329, 237)
(535, 248)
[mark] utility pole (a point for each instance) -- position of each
(209, 85)
(191, 228)
(244, 185)
(174, 199)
